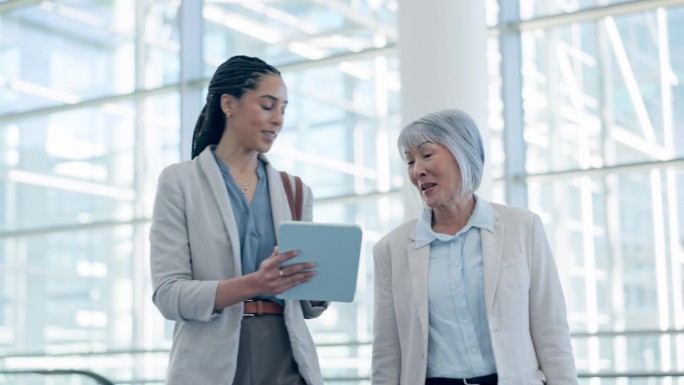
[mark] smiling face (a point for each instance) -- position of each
(434, 171)
(255, 119)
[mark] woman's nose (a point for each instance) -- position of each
(418, 169)
(277, 117)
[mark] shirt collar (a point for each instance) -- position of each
(261, 165)
(482, 217)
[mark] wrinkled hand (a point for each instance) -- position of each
(274, 279)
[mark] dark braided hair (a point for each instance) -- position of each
(234, 77)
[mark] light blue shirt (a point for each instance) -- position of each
(254, 221)
(459, 344)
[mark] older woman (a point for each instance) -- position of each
(468, 293)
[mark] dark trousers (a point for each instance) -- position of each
(265, 355)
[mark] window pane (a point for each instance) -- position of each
(617, 243)
(604, 94)
(538, 8)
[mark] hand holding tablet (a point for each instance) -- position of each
(335, 248)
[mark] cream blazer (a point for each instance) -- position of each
(194, 245)
(525, 306)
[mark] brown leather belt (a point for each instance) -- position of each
(252, 308)
(490, 379)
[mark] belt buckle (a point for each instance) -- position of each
(465, 381)
(248, 314)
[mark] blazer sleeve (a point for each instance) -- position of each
(548, 315)
(177, 296)
(386, 357)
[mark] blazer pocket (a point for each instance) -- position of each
(514, 257)
(515, 276)
(539, 377)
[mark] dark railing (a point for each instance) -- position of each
(631, 374)
(333, 375)
(101, 380)
(98, 379)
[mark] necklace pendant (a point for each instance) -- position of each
(244, 189)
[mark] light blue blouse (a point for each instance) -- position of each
(254, 221)
(459, 344)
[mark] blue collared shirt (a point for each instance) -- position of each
(254, 221)
(459, 344)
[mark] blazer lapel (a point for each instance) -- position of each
(280, 210)
(219, 192)
(492, 254)
(418, 262)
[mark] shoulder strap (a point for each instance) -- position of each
(294, 198)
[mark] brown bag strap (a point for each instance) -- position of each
(294, 199)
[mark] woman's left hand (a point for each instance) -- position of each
(273, 278)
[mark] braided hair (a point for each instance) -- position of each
(234, 77)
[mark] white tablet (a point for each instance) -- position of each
(335, 248)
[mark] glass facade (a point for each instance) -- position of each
(94, 101)
(604, 141)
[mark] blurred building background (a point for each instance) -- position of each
(584, 124)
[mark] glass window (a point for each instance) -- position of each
(539, 8)
(90, 109)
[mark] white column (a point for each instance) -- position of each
(442, 53)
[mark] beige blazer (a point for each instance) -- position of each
(194, 245)
(525, 306)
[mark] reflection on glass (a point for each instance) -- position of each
(90, 113)
(621, 270)
(603, 93)
(539, 8)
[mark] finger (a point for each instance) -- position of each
(295, 268)
(294, 280)
(282, 258)
(274, 260)
(288, 255)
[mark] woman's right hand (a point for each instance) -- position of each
(273, 278)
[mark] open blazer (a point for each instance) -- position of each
(195, 245)
(525, 306)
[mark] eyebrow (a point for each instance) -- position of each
(273, 98)
(419, 146)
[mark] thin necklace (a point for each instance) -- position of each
(243, 186)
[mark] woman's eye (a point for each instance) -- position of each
(267, 108)
(410, 163)
(427, 155)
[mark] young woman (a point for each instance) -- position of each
(215, 265)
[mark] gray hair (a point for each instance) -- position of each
(458, 132)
